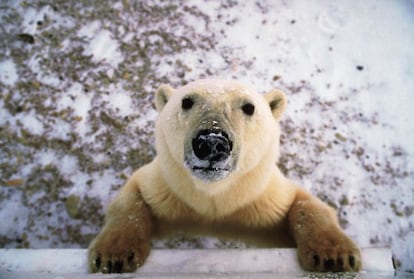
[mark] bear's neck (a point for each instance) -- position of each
(236, 190)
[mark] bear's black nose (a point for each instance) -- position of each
(212, 145)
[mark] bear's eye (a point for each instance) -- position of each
(187, 103)
(248, 109)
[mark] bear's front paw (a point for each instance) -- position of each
(330, 252)
(117, 250)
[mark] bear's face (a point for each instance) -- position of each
(217, 129)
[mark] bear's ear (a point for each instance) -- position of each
(277, 102)
(162, 96)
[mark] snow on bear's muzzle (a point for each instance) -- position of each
(211, 156)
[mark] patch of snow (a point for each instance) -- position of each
(68, 165)
(60, 129)
(89, 30)
(15, 213)
(30, 122)
(102, 185)
(48, 79)
(5, 116)
(33, 18)
(8, 73)
(30, 18)
(80, 103)
(102, 46)
(80, 182)
(119, 100)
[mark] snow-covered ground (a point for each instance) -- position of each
(76, 114)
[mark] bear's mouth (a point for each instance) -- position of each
(210, 173)
(209, 169)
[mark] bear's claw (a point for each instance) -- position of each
(117, 251)
(118, 264)
(334, 260)
(332, 264)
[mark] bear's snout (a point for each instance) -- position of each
(209, 154)
(212, 145)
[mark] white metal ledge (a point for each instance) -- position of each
(200, 263)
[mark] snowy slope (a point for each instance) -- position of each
(76, 113)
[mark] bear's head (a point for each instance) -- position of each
(213, 132)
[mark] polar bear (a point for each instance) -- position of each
(215, 172)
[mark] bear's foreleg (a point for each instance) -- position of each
(125, 241)
(321, 243)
